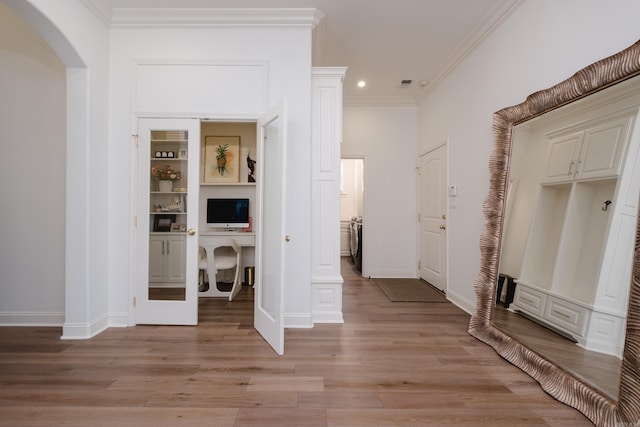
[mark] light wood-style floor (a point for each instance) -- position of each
(600, 370)
(389, 364)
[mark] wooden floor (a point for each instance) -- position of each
(600, 370)
(389, 364)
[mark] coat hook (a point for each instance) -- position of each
(606, 205)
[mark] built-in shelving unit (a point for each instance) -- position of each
(564, 279)
(168, 166)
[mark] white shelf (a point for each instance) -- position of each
(167, 192)
(227, 184)
(168, 213)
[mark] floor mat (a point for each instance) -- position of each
(409, 290)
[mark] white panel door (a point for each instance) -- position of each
(433, 214)
(166, 288)
(270, 237)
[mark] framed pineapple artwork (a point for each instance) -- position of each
(221, 162)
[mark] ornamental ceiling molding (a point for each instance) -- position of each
(214, 17)
(203, 17)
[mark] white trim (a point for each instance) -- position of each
(82, 331)
(26, 318)
(119, 320)
(392, 101)
(298, 320)
(100, 8)
(461, 302)
(492, 19)
(215, 17)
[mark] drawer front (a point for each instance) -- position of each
(529, 300)
(214, 239)
(568, 316)
(248, 240)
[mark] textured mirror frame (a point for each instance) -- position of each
(554, 380)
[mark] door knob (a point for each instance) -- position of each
(444, 216)
(191, 231)
(287, 238)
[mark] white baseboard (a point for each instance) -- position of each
(463, 303)
(298, 320)
(24, 318)
(326, 299)
(119, 320)
(83, 331)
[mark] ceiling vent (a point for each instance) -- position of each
(405, 83)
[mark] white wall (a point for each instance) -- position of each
(542, 43)
(80, 40)
(32, 143)
(386, 137)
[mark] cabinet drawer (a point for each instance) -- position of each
(529, 300)
(243, 239)
(566, 315)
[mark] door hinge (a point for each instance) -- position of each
(134, 301)
(135, 221)
(419, 265)
(135, 139)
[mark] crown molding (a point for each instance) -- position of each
(213, 17)
(380, 101)
(492, 19)
(100, 8)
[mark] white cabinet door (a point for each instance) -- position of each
(602, 149)
(156, 259)
(175, 266)
(562, 158)
(595, 152)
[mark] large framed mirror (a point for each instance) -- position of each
(561, 237)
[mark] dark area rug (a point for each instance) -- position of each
(409, 290)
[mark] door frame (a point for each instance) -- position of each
(365, 267)
(443, 143)
(133, 274)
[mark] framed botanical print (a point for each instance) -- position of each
(221, 162)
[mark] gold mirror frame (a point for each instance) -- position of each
(554, 380)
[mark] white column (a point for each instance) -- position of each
(326, 137)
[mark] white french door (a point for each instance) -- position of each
(433, 216)
(167, 221)
(270, 238)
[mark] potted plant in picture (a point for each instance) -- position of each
(165, 175)
(221, 158)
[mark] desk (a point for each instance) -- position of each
(210, 238)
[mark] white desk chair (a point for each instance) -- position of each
(211, 263)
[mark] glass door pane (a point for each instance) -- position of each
(167, 214)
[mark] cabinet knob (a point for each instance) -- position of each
(443, 227)
(191, 231)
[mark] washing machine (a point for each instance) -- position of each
(356, 241)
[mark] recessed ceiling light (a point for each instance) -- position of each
(362, 83)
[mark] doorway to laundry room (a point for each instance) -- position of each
(351, 215)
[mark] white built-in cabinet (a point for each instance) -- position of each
(591, 153)
(576, 268)
(167, 210)
(167, 254)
